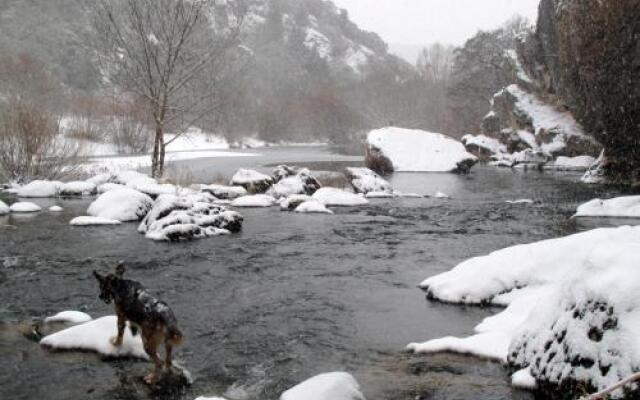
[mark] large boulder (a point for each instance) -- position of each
(337, 197)
(77, 189)
(39, 188)
(122, 205)
(252, 181)
(225, 192)
(410, 150)
(303, 182)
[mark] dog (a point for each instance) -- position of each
(144, 312)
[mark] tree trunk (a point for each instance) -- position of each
(158, 145)
(161, 161)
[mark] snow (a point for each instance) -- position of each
(365, 180)
(131, 178)
(301, 183)
(380, 195)
(329, 386)
(313, 207)
(24, 207)
(579, 163)
(4, 208)
(73, 317)
(520, 201)
(109, 186)
(544, 116)
(484, 142)
(315, 40)
(441, 195)
(96, 336)
(156, 189)
(225, 192)
(121, 204)
(258, 200)
(622, 207)
(39, 189)
(412, 150)
(292, 202)
(56, 209)
(78, 188)
(572, 307)
(528, 137)
(248, 176)
(194, 139)
(330, 196)
(524, 380)
(88, 221)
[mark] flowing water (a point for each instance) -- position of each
(289, 297)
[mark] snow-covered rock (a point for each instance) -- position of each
(329, 386)
(253, 181)
(96, 336)
(596, 173)
(77, 189)
(381, 195)
(408, 150)
(163, 206)
(131, 178)
(572, 313)
(99, 179)
(623, 207)
(292, 202)
(56, 209)
(365, 181)
(24, 207)
(225, 192)
(301, 183)
(154, 190)
(72, 317)
(313, 207)
(256, 200)
(39, 189)
(579, 163)
(284, 171)
(523, 379)
(121, 204)
(483, 146)
(337, 197)
(89, 221)
(441, 195)
(520, 201)
(4, 208)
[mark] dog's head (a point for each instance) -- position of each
(107, 282)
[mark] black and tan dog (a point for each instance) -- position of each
(143, 311)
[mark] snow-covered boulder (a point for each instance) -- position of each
(313, 207)
(409, 150)
(56, 209)
(105, 187)
(100, 179)
(596, 172)
(163, 206)
(253, 181)
(329, 386)
(572, 313)
(121, 204)
(72, 317)
(90, 221)
(154, 190)
(623, 207)
(77, 189)
(24, 207)
(284, 171)
(4, 208)
(365, 181)
(225, 192)
(256, 200)
(41, 189)
(579, 163)
(301, 183)
(292, 202)
(131, 178)
(337, 197)
(483, 146)
(96, 336)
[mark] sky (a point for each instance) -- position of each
(413, 23)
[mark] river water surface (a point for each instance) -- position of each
(291, 296)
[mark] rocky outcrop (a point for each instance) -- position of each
(586, 55)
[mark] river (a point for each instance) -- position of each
(289, 297)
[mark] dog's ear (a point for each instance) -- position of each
(99, 277)
(120, 269)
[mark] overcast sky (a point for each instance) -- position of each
(418, 22)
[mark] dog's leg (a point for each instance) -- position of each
(168, 362)
(117, 341)
(151, 347)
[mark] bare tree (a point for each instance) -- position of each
(172, 53)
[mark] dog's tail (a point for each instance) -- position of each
(174, 336)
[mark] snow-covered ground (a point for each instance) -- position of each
(329, 386)
(72, 317)
(412, 150)
(572, 311)
(487, 143)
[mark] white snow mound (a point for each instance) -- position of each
(73, 317)
(39, 189)
(89, 221)
(96, 336)
(313, 207)
(121, 204)
(412, 150)
(330, 196)
(24, 207)
(329, 386)
(258, 200)
(621, 207)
